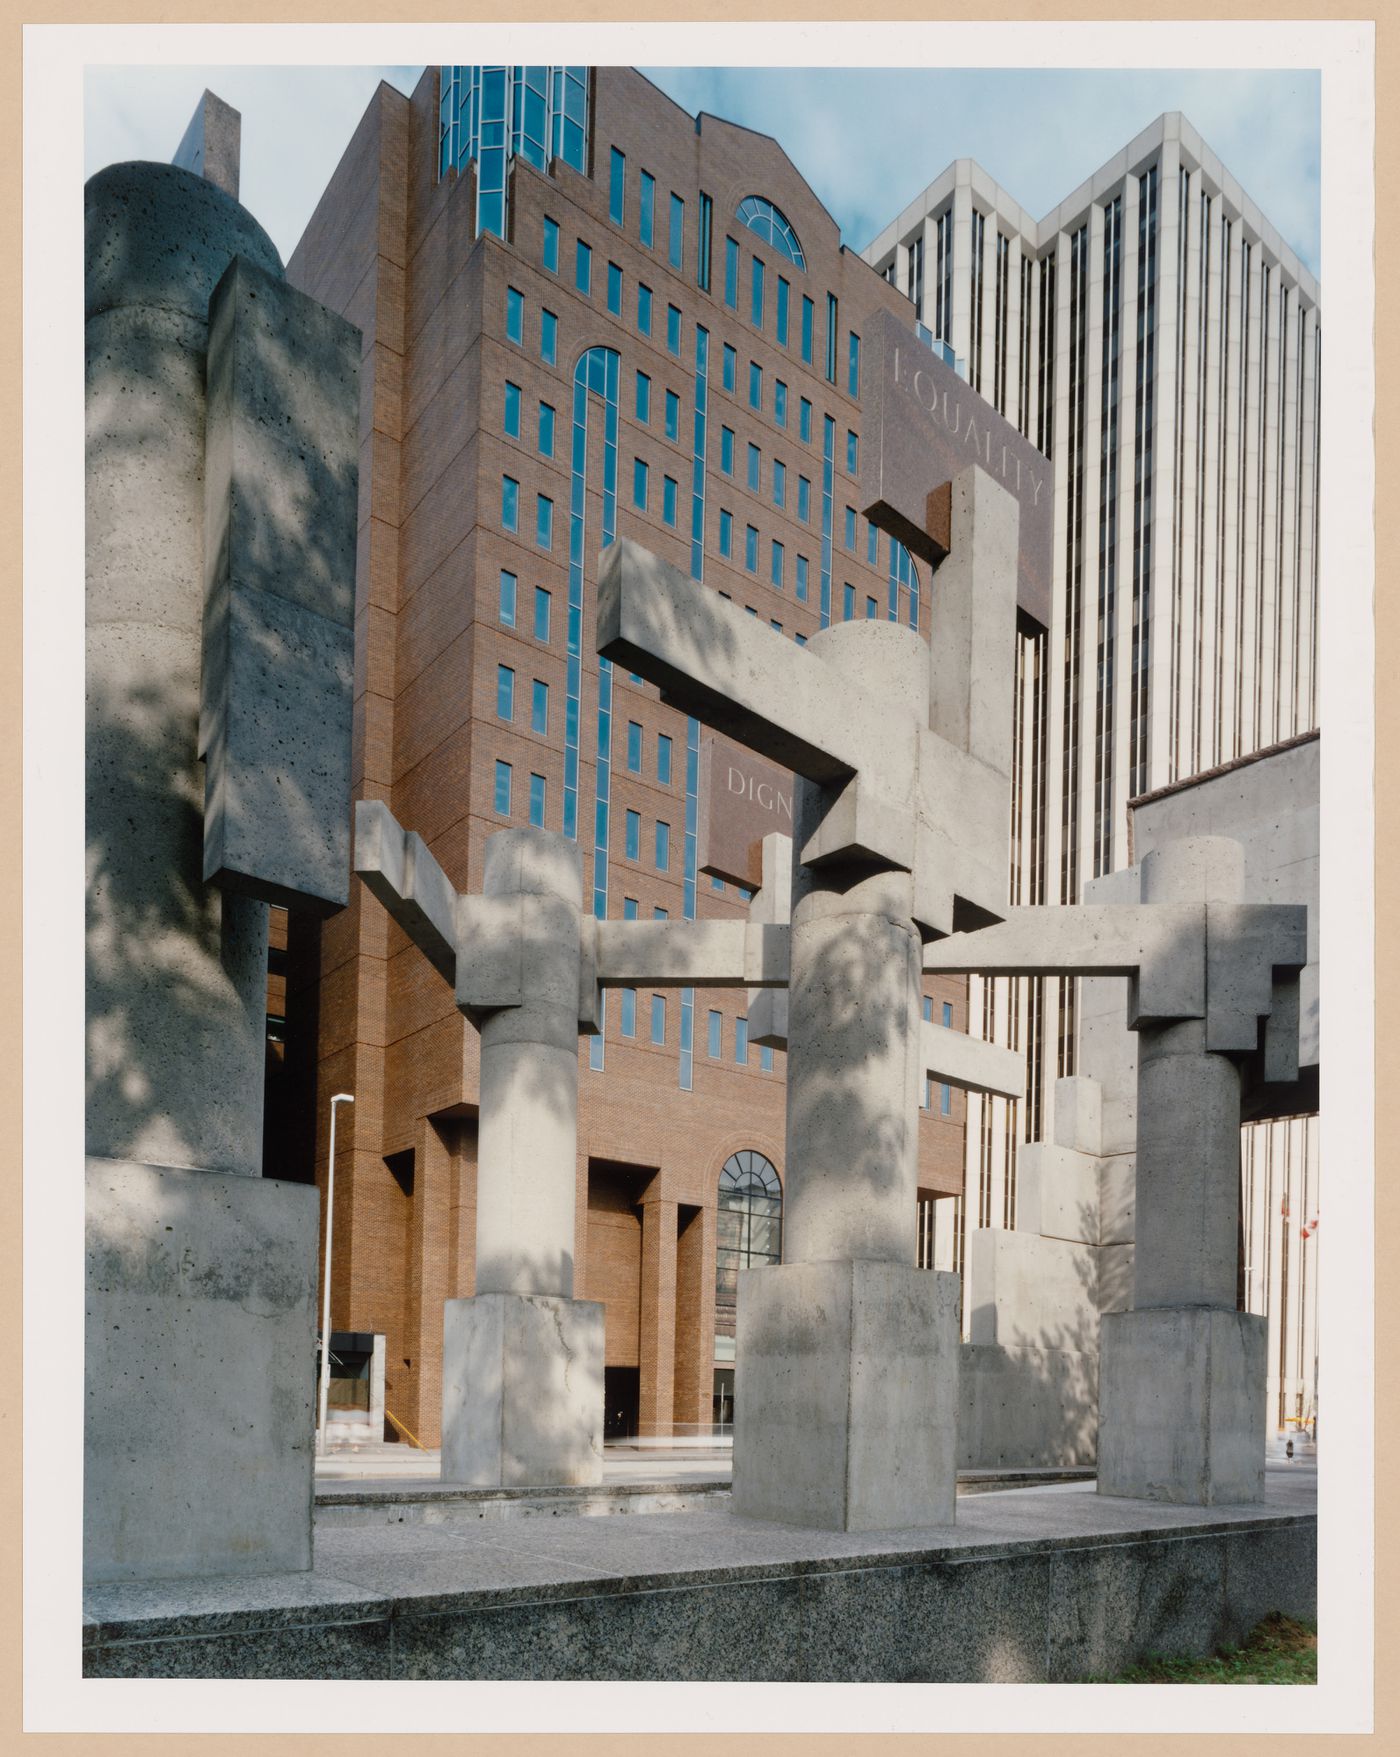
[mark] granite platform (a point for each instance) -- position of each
(1044, 1584)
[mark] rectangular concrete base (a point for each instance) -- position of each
(200, 1373)
(522, 1390)
(1027, 1408)
(846, 1395)
(1181, 1405)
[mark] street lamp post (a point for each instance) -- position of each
(340, 1098)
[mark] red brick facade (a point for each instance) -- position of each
(392, 247)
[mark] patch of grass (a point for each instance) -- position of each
(1280, 1651)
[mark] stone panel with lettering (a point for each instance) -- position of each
(742, 800)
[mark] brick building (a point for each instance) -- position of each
(585, 314)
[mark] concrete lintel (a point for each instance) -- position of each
(684, 954)
(1247, 944)
(967, 1062)
(400, 873)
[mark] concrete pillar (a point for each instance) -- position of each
(657, 1359)
(846, 1399)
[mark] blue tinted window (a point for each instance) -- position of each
(551, 249)
(658, 1018)
(643, 397)
(643, 308)
(755, 385)
(510, 503)
(663, 759)
(542, 602)
(726, 533)
(629, 908)
(801, 639)
(804, 420)
(848, 602)
(741, 1041)
(804, 499)
(505, 693)
(807, 313)
(617, 187)
(640, 474)
(508, 585)
(850, 527)
(715, 1040)
(872, 544)
(731, 273)
(663, 846)
(776, 564)
(673, 415)
(754, 468)
(853, 365)
(648, 208)
(756, 296)
(515, 315)
(676, 241)
(948, 1014)
(707, 226)
(831, 325)
(502, 788)
(537, 801)
(726, 450)
(668, 499)
(512, 411)
(614, 289)
(784, 292)
(780, 402)
(634, 747)
(751, 549)
(632, 843)
(772, 225)
(928, 1007)
(852, 454)
(872, 610)
(546, 434)
(730, 367)
(945, 1100)
(583, 267)
(779, 483)
(673, 328)
(802, 579)
(629, 1012)
(765, 1058)
(539, 707)
(544, 521)
(549, 337)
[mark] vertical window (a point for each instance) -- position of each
(505, 693)
(512, 412)
(784, 294)
(715, 1040)
(537, 801)
(730, 368)
(550, 251)
(804, 499)
(647, 209)
(583, 267)
(804, 420)
(541, 614)
(755, 467)
(643, 397)
(832, 315)
(755, 385)
(502, 788)
(756, 297)
(632, 843)
(776, 566)
(663, 759)
(676, 243)
(808, 311)
(780, 402)
(658, 1018)
(726, 533)
(801, 639)
(539, 707)
(617, 186)
(629, 908)
(726, 450)
(515, 315)
(546, 431)
(779, 483)
(663, 846)
(801, 587)
(751, 548)
(853, 363)
(628, 1023)
(872, 544)
(707, 221)
(741, 1041)
(731, 274)
(634, 747)
(872, 610)
(945, 1100)
(614, 289)
(948, 1014)
(848, 603)
(852, 454)
(544, 521)
(644, 308)
(508, 585)
(850, 527)
(673, 328)
(673, 415)
(549, 337)
(639, 483)
(765, 1058)
(510, 503)
(668, 499)
(928, 1007)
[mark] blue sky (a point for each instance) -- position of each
(1039, 132)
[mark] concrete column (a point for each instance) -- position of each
(657, 1360)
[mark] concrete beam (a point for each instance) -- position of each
(967, 1062)
(401, 874)
(686, 954)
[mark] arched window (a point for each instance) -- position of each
(771, 224)
(750, 1220)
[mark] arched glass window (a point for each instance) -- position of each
(750, 1220)
(771, 224)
